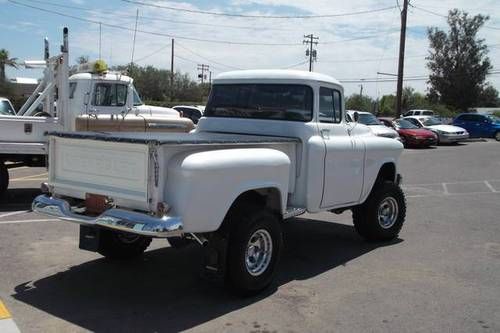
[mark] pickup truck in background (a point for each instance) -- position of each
(272, 144)
(89, 100)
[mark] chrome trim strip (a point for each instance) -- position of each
(114, 218)
(293, 211)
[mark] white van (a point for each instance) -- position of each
(419, 113)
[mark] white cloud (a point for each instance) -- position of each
(337, 59)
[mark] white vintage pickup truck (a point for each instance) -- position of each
(271, 145)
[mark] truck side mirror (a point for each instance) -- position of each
(356, 116)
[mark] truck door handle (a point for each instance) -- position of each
(325, 134)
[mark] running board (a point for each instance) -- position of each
(293, 211)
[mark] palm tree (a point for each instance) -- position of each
(6, 61)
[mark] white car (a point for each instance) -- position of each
(377, 127)
(445, 133)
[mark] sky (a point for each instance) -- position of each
(357, 38)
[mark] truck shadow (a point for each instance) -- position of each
(18, 199)
(163, 290)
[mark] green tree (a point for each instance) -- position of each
(489, 97)
(360, 103)
(5, 61)
(82, 59)
(458, 61)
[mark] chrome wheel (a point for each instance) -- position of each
(388, 212)
(259, 252)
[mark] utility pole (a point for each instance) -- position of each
(100, 39)
(310, 52)
(402, 40)
(203, 68)
(361, 91)
(172, 73)
(135, 33)
(210, 78)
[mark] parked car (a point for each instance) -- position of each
(192, 112)
(6, 107)
(479, 125)
(419, 113)
(368, 119)
(411, 135)
(445, 133)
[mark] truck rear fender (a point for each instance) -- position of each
(202, 186)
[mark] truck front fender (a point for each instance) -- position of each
(201, 186)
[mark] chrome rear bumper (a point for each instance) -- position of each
(114, 218)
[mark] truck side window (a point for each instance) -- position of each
(329, 105)
(137, 99)
(72, 88)
(110, 94)
(326, 110)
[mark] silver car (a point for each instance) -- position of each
(445, 133)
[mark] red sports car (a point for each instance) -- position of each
(411, 135)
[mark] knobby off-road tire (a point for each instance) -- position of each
(382, 216)
(254, 248)
(121, 246)
(4, 178)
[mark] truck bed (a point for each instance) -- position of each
(176, 138)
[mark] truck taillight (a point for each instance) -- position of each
(162, 208)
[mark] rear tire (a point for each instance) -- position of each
(4, 178)
(254, 249)
(382, 215)
(121, 245)
(497, 136)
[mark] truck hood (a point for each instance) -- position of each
(381, 130)
(417, 132)
(152, 110)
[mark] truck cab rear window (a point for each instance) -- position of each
(110, 94)
(261, 101)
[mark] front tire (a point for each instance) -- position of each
(121, 245)
(382, 215)
(497, 136)
(254, 249)
(4, 178)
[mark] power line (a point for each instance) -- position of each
(297, 64)
(406, 78)
(195, 11)
(153, 53)
(152, 32)
(150, 18)
(205, 58)
(446, 16)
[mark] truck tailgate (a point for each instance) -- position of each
(115, 169)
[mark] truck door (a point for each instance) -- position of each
(344, 155)
(108, 98)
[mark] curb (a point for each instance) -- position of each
(7, 324)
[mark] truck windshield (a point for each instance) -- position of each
(261, 101)
(368, 119)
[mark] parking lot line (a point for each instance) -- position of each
(489, 186)
(7, 325)
(27, 221)
(31, 177)
(14, 213)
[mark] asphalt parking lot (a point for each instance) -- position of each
(441, 275)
